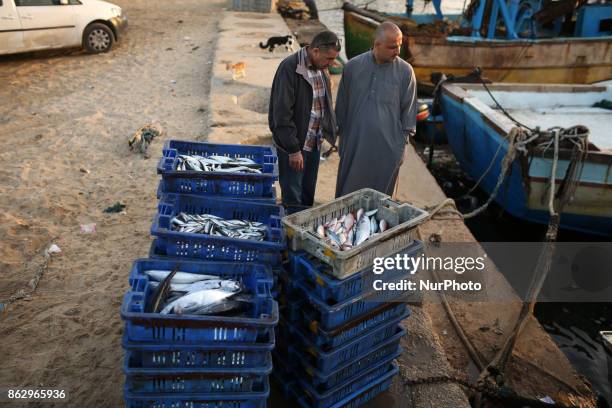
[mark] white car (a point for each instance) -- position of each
(30, 25)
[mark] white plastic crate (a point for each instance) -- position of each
(402, 218)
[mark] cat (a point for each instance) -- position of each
(274, 42)
(238, 69)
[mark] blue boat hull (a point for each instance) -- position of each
(474, 142)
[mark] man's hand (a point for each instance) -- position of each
(296, 162)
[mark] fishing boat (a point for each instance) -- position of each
(479, 119)
(526, 41)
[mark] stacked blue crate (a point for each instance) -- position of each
(173, 359)
(243, 186)
(337, 339)
(186, 360)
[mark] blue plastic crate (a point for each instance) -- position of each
(211, 247)
(325, 381)
(140, 380)
(190, 400)
(155, 327)
(310, 397)
(213, 356)
(317, 276)
(330, 316)
(277, 271)
(218, 183)
(328, 360)
(266, 199)
(251, 275)
(327, 339)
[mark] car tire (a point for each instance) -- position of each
(98, 38)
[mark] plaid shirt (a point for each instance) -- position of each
(314, 136)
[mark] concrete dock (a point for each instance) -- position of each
(537, 369)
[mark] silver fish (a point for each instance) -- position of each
(321, 231)
(331, 224)
(371, 213)
(359, 214)
(213, 225)
(349, 221)
(179, 277)
(197, 299)
(350, 236)
(235, 304)
(373, 226)
(363, 230)
(222, 284)
(334, 237)
(383, 225)
(217, 163)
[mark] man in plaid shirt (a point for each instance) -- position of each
(301, 114)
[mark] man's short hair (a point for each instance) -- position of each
(384, 29)
(325, 41)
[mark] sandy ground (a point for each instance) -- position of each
(65, 119)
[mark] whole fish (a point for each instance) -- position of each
(217, 163)
(196, 299)
(359, 214)
(237, 169)
(179, 277)
(213, 225)
(363, 230)
(382, 225)
(222, 284)
(373, 226)
(161, 292)
(334, 238)
(331, 224)
(321, 231)
(371, 213)
(220, 159)
(351, 229)
(184, 288)
(350, 237)
(339, 229)
(235, 304)
(349, 221)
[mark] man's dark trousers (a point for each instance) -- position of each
(298, 188)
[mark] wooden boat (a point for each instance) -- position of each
(451, 47)
(476, 127)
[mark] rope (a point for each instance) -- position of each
(469, 346)
(494, 371)
(515, 133)
(502, 108)
(521, 138)
(553, 175)
(518, 141)
(490, 389)
(471, 190)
